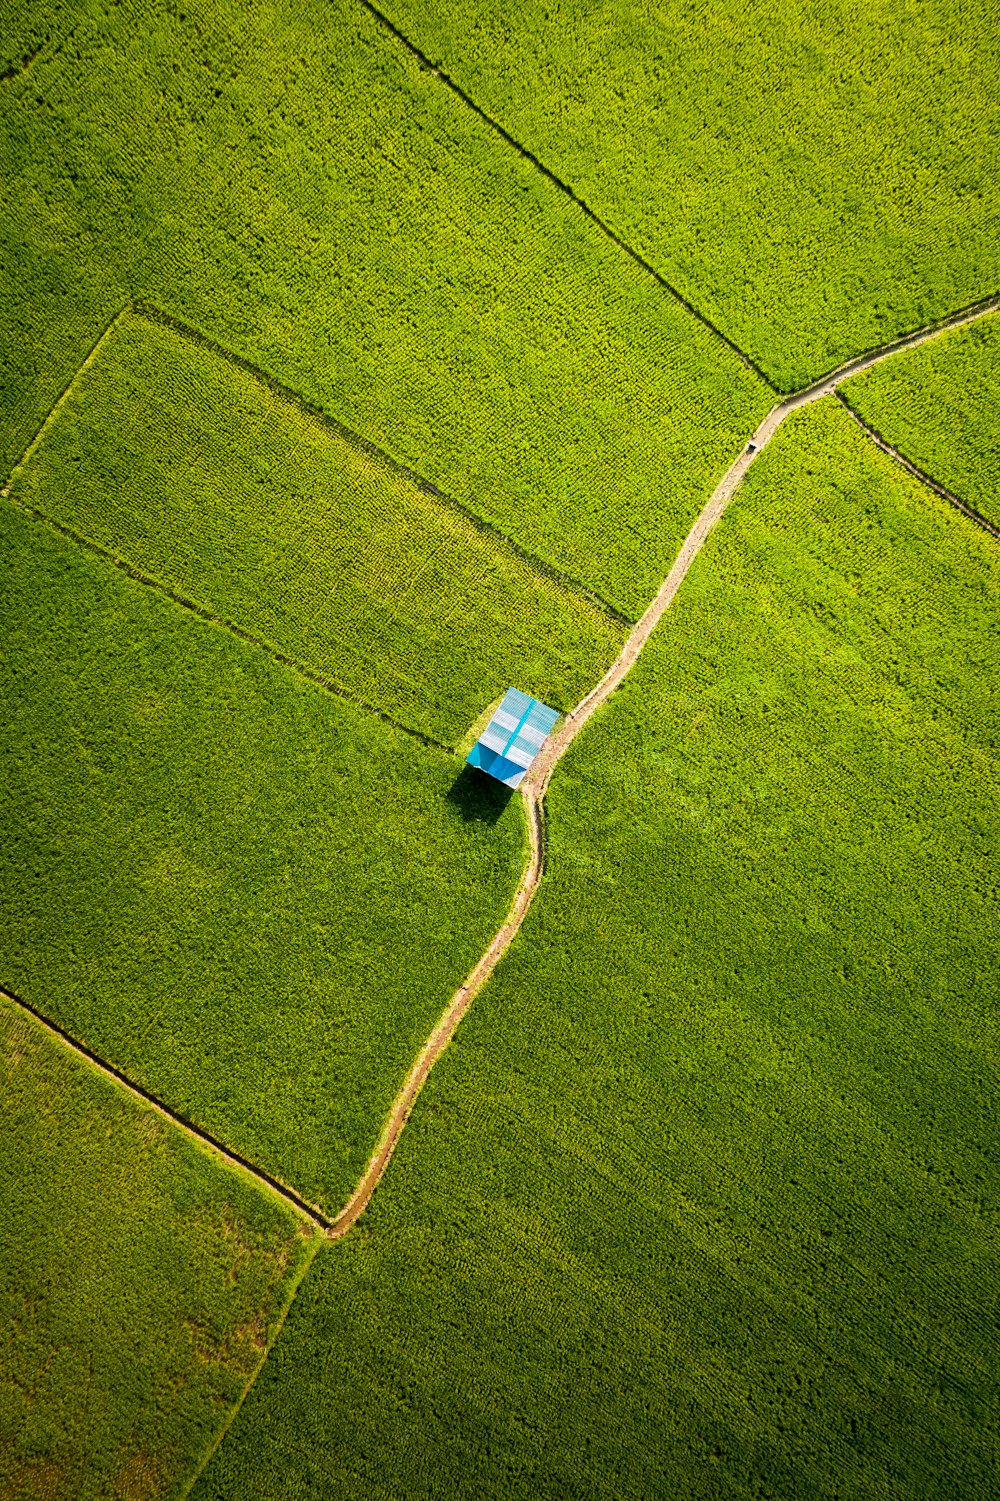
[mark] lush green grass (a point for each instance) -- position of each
(140, 1282)
(701, 1202)
(250, 895)
(302, 191)
(168, 456)
(813, 177)
(940, 405)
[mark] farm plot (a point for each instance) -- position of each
(700, 1200)
(140, 1282)
(249, 895)
(939, 404)
(303, 192)
(193, 472)
(814, 179)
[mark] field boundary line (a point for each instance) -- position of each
(569, 192)
(916, 471)
(536, 782)
(206, 1139)
(315, 1242)
(210, 618)
(63, 397)
(381, 456)
(21, 65)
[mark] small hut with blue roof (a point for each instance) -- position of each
(513, 737)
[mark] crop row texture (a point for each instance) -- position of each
(247, 894)
(197, 475)
(814, 179)
(140, 1282)
(939, 404)
(301, 191)
(701, 1202)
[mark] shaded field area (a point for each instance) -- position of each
(939, 404)
(304, 193)
(814, 179)
(199, 476)
(140, 1282)
(251, 896)
(700, 1201)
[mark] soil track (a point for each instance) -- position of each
(536, 782)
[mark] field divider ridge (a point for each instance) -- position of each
(378, 455)
(63, 397)
(569, 192)
(231, 1157)
(210, 618)
(916, 471)
(536, 782)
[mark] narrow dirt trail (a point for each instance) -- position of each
(535, 784)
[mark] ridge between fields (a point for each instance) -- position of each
(567, 190)
(536, 782)
(914, 469)
(533, 790)
(202, 613)
(233, 1158)
(372, 450)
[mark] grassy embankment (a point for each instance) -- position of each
(251, 896)
(939, 404)
(140, 1282)
(700, 1200)
(303, 192)
(791, 169)
(193, 472)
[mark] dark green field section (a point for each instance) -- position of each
(814, 178)
(939, 404)
(702, 1199)
(140, 1283)
(293, 184)
(168, 457)
(249, 895)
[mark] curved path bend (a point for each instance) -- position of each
(535, 784)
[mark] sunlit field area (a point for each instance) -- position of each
(618, 1124)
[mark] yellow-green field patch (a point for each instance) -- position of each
(141, 1282)
(185, 466)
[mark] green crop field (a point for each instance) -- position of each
(813, 177)
(140, 1283)
(168, 457)
(354, 367)
(701, 1202)
(939, 404)
(252, 896)
(303, 192)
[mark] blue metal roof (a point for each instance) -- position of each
(513, 737)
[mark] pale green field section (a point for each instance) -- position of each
(195, 473)
(248, 894)
(813, 177)
(939, 404)
(141, 1282)
(291, 182)
(701, 1201)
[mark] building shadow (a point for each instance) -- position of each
(478, 798)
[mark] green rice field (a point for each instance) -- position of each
(939, 404)
(200, 477)
(700, 1201)
(304, 193)
(252, 896)
(140, 1283)
(369, 1130)
(813, 178)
